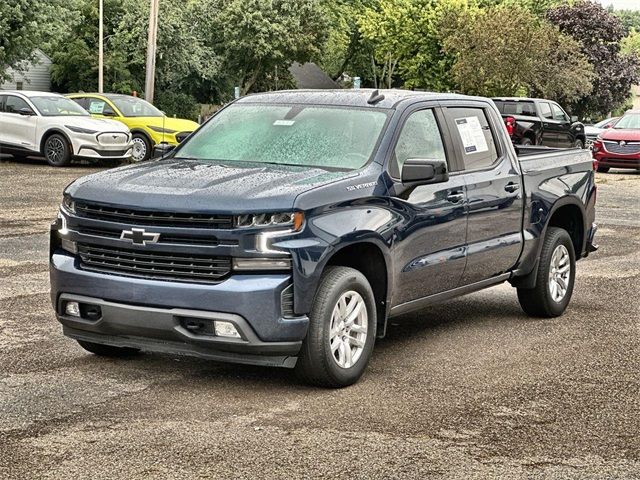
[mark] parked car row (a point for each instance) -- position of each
(85, 126)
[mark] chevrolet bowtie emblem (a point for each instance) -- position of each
(139, 236)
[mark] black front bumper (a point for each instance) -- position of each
(164, 330)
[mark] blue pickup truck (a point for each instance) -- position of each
(291, 226)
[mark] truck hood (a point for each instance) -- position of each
(628, 135)
(198, 187)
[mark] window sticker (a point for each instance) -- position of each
(283, 123)
(471, 135)
(96, 107)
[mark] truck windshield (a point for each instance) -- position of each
(303, 135)
(629, 121)
(516, 107)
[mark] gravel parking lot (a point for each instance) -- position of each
(468, 389)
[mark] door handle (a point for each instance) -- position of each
(511, 187)
(455, 197)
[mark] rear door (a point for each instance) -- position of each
(493, 190)
(429, 247)
(551, 128)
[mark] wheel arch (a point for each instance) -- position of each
(145, 134)
(52, 131)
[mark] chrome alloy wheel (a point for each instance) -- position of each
(348, 329)
(559, 273)
(139, 149)
(54, 150)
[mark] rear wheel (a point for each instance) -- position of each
(556, 275)
(603, 169)
(342, 330)
(526, 141)
(107, 350)
(141, 148)
(57, 151)
(578, 144)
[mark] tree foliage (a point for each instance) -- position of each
(19, 33)
(599, 34)
(526, 57)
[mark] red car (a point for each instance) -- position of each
(619, 147)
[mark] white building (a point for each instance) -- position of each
(36, 76)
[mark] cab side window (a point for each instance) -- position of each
(99, 107)
(558, 113)
(14, 104)
(473, 136)
(545, 110)
(420, 138)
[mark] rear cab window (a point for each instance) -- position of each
(525, 108)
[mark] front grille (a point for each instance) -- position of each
(147, 217)
(627, 149)
(180, 136)
(156, 265)
(113, 138)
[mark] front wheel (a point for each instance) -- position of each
(57, 151)
(556, 275)
(141, 148)
(342, 330)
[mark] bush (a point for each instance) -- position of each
(179, 104)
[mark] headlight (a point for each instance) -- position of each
(161, 130)
(81, 130)
(294, 220)
(68, 204)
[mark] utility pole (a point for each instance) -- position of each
(151, 51)
(101, 48)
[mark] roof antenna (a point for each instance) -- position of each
(375, 97)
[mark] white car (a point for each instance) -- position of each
(39, 123)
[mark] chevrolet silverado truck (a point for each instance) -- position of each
(536, 121)
(292, 226)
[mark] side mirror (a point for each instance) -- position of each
(608, 125)
(424, 171)
(574, 119)
(108, 113)
(27, 112)
(162, 150)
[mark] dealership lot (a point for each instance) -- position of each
(467, 389)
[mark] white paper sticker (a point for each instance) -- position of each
(471, 135)
(284, 123)
(96, 107)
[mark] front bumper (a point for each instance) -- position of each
(120, 153)
(150, 314)
(607, 159)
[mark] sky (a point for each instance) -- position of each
(622, 4)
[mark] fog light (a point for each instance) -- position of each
(69, 246)
(226, 329)
(72, 309)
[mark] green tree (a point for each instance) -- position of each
(630, 45)
(20, 33)
(526, 56)
(599, 34)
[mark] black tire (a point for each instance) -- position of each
(526, 142)
(57, 150)
(538, 301)
(107, 350)
(603, 169)
(578, 144)
(317, 364)
(141, 148)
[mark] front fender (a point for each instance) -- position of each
(330, 232)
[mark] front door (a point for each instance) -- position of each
(565, 137)
(430, 247)
(550, 126)
(494, 195)
(18, 122)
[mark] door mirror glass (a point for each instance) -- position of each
(424, 171)
(26, 112)
(574, 118)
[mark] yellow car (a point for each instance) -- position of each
(149, 126)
